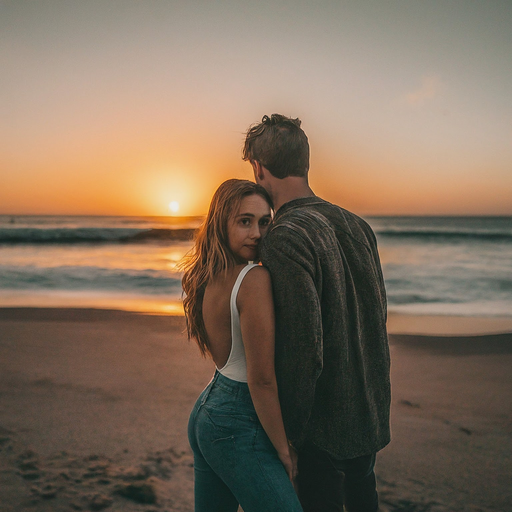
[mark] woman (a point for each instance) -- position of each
(241, 453)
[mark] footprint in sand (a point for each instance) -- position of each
(410, 404)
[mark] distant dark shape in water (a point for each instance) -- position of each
(162, 235)
(12, 221)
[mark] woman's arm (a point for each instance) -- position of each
(256, 308)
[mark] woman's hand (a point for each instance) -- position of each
(295, 458)
(289, 461)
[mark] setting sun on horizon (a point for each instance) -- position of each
(174, 207)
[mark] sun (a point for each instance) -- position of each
(174, 206)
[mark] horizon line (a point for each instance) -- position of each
(431, 215)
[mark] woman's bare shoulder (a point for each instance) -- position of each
(257, 280)
(257, 273)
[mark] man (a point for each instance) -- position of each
(332, 354)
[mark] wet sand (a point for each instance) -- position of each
(94, 406)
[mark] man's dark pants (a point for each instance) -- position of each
(326, 484)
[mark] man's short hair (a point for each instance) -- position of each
(280, 145)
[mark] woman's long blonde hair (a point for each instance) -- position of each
(211, 253)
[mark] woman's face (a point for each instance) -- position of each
(247, 226)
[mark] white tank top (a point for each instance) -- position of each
(236, 365)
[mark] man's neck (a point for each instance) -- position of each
(288, 189)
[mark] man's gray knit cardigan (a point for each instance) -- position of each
(332, 353)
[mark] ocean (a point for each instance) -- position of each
(432, 265)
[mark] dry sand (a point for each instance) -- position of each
(94, 406)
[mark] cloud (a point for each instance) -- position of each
(430, 87)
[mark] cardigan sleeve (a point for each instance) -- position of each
(299, 347)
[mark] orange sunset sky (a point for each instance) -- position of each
(120, 107)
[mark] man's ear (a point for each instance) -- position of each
(258, 170)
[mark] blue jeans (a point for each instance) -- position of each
(234, 460)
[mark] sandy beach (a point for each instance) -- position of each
(94, 406)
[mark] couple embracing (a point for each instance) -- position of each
(299, 403)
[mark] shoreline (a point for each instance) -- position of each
(398, 323)
(448, 325)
